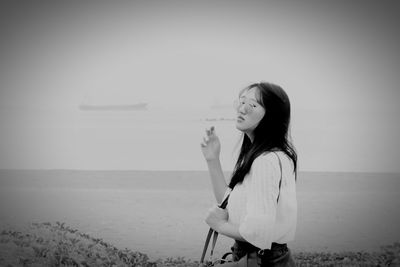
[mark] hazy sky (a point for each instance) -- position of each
(338, 58)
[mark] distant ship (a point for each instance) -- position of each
(138, 106)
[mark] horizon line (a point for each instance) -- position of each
(183, 170)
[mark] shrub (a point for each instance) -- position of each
(47, 244)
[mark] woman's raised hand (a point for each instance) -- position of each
(211, 146)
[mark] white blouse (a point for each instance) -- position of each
(253, 205)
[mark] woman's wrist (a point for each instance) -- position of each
(213, 161)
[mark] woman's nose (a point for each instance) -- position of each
(242, 109)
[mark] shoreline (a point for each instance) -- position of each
(54, 244)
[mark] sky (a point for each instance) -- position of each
(335, 59)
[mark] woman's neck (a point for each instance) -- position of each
(250, 136)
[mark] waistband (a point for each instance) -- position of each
(248, 247)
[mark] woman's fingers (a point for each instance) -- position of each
(204, 142)
(210, 131)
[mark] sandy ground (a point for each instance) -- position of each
(161, 213)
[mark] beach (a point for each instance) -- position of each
(161, 213)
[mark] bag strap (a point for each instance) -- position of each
(211, 232)
(223, 206)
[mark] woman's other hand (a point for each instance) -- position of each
(211, 146)
(216, 218)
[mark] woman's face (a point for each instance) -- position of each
(249, 112)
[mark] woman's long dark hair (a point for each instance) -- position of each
(271, 134)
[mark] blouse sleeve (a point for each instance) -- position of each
(257, 226)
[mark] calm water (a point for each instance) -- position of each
(168, 139)
(162, 213)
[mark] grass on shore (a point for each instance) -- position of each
(47, 244)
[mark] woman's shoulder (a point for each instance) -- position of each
(272, 157)
(266, 159)
(265, 165)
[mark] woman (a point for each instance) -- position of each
(261, 214)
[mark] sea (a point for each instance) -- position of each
(168, 138)
(161, 213)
